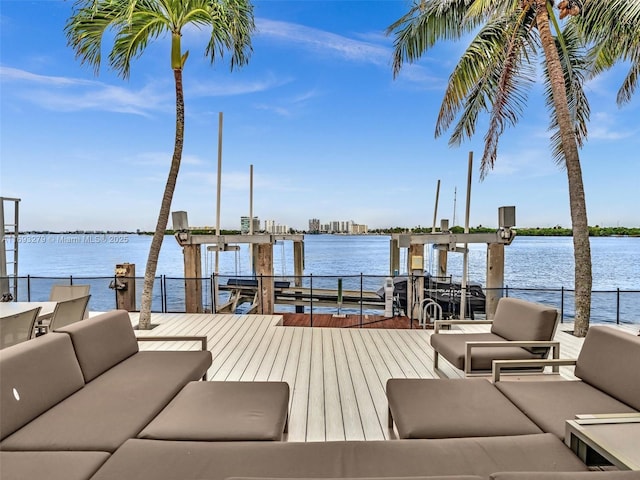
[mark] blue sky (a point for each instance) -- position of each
(330, 133)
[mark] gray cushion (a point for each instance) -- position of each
(517, 319)
(50, 465)
(452, 347)
(223, 411)
(610, 361)
(438, 477)
(42, 371)
(102, 341)
(113, 407)
(551, 403)
(170, 460)
(608, 475)
(447, 408)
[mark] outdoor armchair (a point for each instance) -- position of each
(520, 330)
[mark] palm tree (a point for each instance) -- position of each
(494, 76)
(133, 23)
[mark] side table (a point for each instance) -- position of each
(614, 437)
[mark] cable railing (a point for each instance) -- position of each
(318, 294)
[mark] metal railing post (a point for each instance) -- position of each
(213, 293)
(311, 298)
(562, 305)
(618, 306)
(361, 298)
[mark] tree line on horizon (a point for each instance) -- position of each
(595, 231)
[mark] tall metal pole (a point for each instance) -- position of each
(218, 193)
(253, 268)
(435, 210)
(250, 199)
(465, 261)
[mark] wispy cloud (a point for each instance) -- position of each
(603, 126)
(229, 88)
(287, 107)
(163, 159)
(68, 94)
(323, 41)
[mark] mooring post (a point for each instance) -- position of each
(264, 269)
(495, 277)
(193, 278)
(298, 268)
(125, 286)
(394, 257)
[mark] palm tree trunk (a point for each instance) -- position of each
(144, 322)
(579, 223)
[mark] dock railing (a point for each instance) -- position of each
(314, 294)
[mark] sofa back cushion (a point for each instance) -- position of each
(102, 341)
(34, 376)
(610, 361)
(517, 319)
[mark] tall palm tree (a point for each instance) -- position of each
(494, 76)
(133, 23)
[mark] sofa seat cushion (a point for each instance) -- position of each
(449, 408)
(219, 411)
(169, 460)
(34, 376)
(437, 477)
(50, 465)
(115, 406)
(550, 404)
(604, 475)
(619, 375)
(453, 347)
(102, 341)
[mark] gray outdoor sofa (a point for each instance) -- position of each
(76, 404)
(608, 367)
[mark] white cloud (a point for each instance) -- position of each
(219, 88)
(320, 40)
(603, 127)
(69, 94)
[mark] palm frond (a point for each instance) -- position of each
(493, 75)
(426, 23)
(612, 27)
(237, 18)
(515, 78)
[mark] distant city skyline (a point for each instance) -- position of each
(316, 111)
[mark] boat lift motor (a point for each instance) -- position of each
(388, 297)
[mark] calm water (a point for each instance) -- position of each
(530, 263)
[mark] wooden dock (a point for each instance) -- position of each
(337, 376)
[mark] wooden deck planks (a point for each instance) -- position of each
(337, 376)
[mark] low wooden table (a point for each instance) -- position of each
(614, 437)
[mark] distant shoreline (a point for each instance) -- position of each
(521, 232)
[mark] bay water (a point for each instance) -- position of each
(536, 268)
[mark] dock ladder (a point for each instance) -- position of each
(9, 248)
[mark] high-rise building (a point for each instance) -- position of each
(314, 225)
(270, 226)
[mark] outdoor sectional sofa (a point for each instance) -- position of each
(608, 371)
(75, 405)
